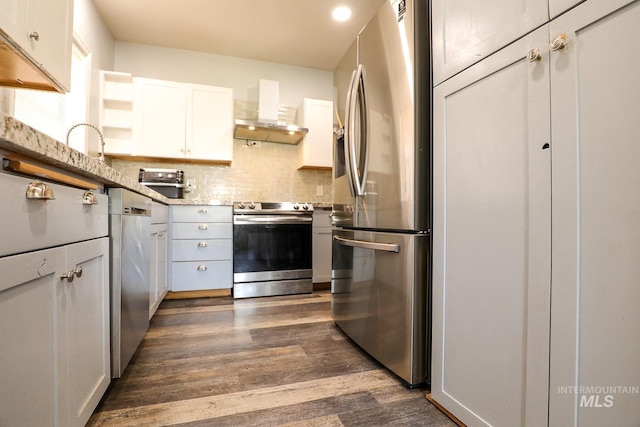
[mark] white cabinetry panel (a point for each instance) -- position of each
(466, 31)
(491, 259)
(316, 149)
(183, 121)
(201, 247)
(596, 226)
(43, 30)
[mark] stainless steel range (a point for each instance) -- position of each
(271, 249)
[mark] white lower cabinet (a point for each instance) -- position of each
(158, 284)
(158, 255)
(201, 248)
(535, 318)
(55, 351)
(321, 246)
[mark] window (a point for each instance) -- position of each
(54, 113)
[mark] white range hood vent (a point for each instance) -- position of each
(267, 128)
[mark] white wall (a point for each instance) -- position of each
(88, 26)
(242, 75)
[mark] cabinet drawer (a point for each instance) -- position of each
(201, 275)
(198, 213)
(203, 230)
(30, 224)
(201, 250)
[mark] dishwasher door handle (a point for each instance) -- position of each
(386, 247)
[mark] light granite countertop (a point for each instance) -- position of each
(19, 138)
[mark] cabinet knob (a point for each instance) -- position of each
(78, 271)
(202, 244)
(203, 210)
(202, 268)
(534, 55)
(34, 36)
(68, 275)
(203, 227)
(559, 43)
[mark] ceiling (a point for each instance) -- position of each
(293, 32)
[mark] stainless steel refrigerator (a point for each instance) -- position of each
(381, 214)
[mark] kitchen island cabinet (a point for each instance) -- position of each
(183, 121)
(43, 29)
(539, 300)
(201, 248)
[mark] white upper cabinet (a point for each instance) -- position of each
(209, 123)
(316, 149)
(466, 31)
(183, 121)
(43, 29)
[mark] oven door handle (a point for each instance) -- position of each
(386, 247)
(280, 219)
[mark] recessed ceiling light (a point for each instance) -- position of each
(341, 13)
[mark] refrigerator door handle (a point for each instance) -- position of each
(348, 133)
(386, 247)
(357, 161)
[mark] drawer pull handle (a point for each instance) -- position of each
(40, 191)
(203, 227)
(89, 198)
(203, 210)
(202, 268)
(202, 244)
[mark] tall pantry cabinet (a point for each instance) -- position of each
(535, 269)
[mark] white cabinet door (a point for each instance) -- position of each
(210, 123)
(49, 36)
(180, 120)
(28, 370)
(43, 29)
(84, 327)
(491, 248)
(158, 270)
(321, 245)
(316, 149)
(595, 94)
(466, 31)
(161, 118)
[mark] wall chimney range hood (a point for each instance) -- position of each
(267, 127)
(269, 132)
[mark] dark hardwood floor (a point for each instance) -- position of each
(277, 361)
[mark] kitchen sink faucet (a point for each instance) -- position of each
(101, 158)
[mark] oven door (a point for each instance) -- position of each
(271, 247)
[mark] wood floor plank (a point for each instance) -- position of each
(212, 407)
(277, 361)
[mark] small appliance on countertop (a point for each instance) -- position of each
(168, 182)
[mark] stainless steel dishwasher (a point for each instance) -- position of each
(130, 233)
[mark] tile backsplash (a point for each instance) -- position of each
(262, 172)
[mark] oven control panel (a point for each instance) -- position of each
(273, 208)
